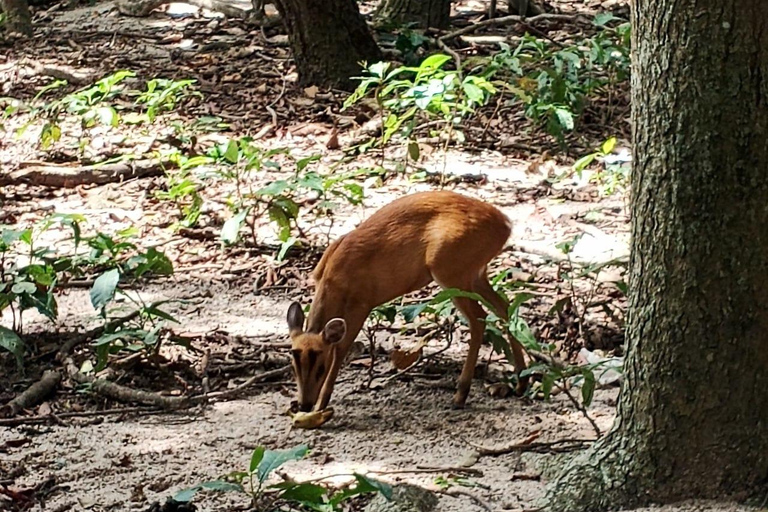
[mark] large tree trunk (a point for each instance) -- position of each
(693, 412)
(329, 39)
(424, 13)
(18, 17)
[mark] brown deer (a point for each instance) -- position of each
(440, 236)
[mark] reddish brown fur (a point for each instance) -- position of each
(440, 236)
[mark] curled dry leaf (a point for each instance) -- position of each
(499, 390)
(313, 419)
(402, 359)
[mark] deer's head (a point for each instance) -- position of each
(312, 354)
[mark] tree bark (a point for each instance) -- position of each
(423, 13)
(18, 17)
(329, 39)
(693, 412)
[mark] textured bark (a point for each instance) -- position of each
(693, 413)
(424, 13)
(18, 17)
(329, 39)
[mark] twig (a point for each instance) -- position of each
(34, 394)
(580, 407)
(428, 469)
(529, 445)
(24, 420)
(230, 393)
(504, 20)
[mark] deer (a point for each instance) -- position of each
(438, 236)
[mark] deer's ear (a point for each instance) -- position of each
(295, 318)
(334, 330)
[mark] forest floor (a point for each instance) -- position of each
(79, 451)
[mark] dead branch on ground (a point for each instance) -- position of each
(34, 394)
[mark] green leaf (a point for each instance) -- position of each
(285, 246)
(608, 145)
(364, 484)
(108, 116)
(273, 459)
(11, 342)
(583, 162)
(159, 313)
(588, 387)
(103, 289)
(413, 150)
(602, 18)
(24, 287)
(256, 457)
(231, 229)
(302, 492)
(410, 312)
(304, 162)
(565, 118)
(435, 61)
(231, 154)
(273, 189)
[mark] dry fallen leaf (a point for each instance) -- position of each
(402, 359)
(499, 390)
(311, 92)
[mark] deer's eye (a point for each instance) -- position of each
(320, 371)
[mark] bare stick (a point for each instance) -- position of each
(230, 393)
(34, 394)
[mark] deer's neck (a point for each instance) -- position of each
(329, 303)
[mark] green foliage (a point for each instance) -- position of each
(554, 83)
(612, 174)
(406, 95)
(280, 200)
(100, 103)
(163, 94)
(307, 495)
(30, 272)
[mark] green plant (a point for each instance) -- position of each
(29, 273)
(163, 94)
(308, 495)
(612, 174)
(405, 95)
(280, 200)
(555, 83)
(183, 191)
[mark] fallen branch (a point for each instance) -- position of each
(505, 20)
(43, 418)
(34, 394)
(69, 176)
(123, 393)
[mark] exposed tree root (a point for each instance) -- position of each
(34, 394)
(68, 176)
(530, 445)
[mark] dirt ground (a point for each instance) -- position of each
(396, 429)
